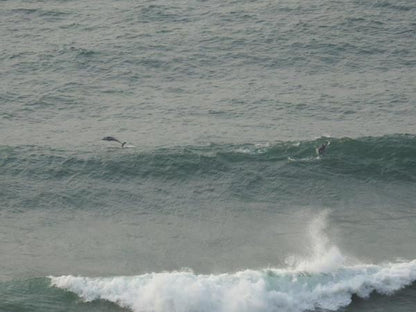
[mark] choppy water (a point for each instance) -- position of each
(220, 202)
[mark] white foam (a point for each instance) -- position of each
(262, 290)
(258, 148)
(321, 280)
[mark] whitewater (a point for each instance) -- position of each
(321, 281)
(265, 290)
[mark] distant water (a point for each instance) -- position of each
(220, 201)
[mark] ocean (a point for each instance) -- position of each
(218, 201)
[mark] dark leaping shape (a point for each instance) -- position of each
(110, 138)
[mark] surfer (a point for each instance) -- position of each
(110, 138)
(322, 148)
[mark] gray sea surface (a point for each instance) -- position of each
(219, 200)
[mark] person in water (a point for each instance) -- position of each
(322, 148)
(110, 138)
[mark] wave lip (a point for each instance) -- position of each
(251, 290)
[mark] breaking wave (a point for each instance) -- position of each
(325, 281)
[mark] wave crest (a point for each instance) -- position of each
(250, 290)
(387, 158)
(322, 281)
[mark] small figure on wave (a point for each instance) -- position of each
(321, 150)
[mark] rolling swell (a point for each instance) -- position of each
(387, 158)
(285, 173)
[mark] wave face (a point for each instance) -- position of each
(270, 172)
(387, 157)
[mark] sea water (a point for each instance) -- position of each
(219, 201)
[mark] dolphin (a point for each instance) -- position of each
(110, 138)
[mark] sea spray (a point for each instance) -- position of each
(322, 282)
(324, 256)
